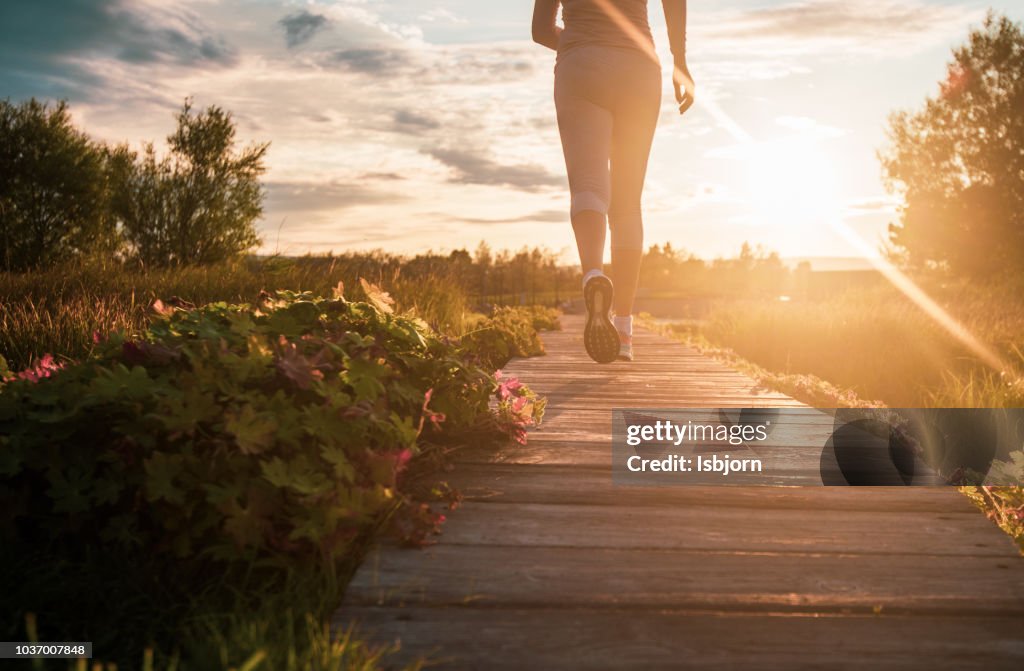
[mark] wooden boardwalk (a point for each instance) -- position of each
(547, 565)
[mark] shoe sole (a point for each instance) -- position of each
(600, 338)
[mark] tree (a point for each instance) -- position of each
(53, 188)
(198, 204)
(959, 161)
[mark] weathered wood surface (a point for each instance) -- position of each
(548, 565)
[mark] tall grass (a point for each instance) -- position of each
(58, 311)
(881, 345)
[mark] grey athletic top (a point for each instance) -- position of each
(588, 22)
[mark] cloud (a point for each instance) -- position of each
(300, 27)
(868, 26)
(291, 197)
(541, 216)
(383, 176)
(413, 123)
(470, 167)
(442, 15)
(48, 41)
(372, 61)
(865, 20)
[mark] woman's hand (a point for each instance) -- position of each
(675, 21)
(682, 80)
(545, 30)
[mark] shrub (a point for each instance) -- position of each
(200, 203)
(508, 332)
(207, 486)
(544, 318)
(232, 432)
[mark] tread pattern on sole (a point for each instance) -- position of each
(600, 338)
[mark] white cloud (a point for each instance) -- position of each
(834, 28)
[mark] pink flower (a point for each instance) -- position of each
(44, 368)
(507, 388)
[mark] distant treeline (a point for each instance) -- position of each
(540, 276)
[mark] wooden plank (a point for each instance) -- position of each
(715, 528)
(556, 638)
(510, 576)
(543, 483)
(799, 467)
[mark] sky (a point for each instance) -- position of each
(414, 125)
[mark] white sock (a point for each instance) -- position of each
(591, 273)
(624, 324)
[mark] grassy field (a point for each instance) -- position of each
(881, 345)
(251, 615)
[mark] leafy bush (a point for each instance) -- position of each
(208, 485)
(198, 204)
(235, 432)
(544, 318)
(508, 332)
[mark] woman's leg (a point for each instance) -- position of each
(635, 119)
(586, 132)
(589, 227)
(625, 276)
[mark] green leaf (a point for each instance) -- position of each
(337, 457)
(161, 471)
(297, 474)
(365, 377)
(253, 432)
(69, 491)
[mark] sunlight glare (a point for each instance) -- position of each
(790, 183)
(896, 277)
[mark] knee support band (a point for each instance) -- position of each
(588, 200)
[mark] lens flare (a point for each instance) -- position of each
(894, 275)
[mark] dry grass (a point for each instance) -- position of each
(882, 346)
(58, 311)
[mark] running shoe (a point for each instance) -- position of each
(599, 335)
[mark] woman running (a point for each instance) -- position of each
(607, 98)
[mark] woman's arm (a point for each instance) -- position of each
(675, 19)
(545, 31)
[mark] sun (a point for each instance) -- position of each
(790, 183)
